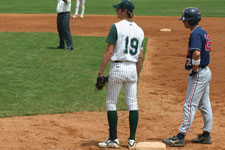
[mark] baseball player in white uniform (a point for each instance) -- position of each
(125, 45)
(78, 2)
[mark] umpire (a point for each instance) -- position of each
(63, 24)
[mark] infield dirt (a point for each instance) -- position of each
(161, 94)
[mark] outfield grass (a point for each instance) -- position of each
(35, 78)
(209, 8)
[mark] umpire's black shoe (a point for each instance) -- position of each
(69, 48)
(60, 47)
(201, 139)
(174, 142)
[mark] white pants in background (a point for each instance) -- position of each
(78, 2)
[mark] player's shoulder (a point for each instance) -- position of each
(139, 27)
(141, 31)
(125, 23)
(120, 23)
(198, 30)
(136, 26)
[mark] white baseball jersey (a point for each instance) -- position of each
(129, 42)
(63, 6)
(128, 38)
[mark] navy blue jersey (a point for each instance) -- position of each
(198, 40)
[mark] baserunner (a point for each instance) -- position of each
(199, 77)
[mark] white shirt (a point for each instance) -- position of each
(63, 6)
(129, 41)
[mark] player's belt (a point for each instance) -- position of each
(203, 66)
(63, 12)
(117, 61)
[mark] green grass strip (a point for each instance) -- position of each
(35, 78)
(209, 8)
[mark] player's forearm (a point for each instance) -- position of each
(105, 61)
(195, 57)
(106, 58)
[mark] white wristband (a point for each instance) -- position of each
(196, 62)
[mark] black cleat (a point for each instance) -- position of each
(174, 142)
(60, 47)
(201, 139)
(69, 49)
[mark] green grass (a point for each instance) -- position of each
(209, 8)
(35, 78)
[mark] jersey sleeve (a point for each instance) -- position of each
(195, 42)
(112, 36)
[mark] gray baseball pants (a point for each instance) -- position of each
(198, 98)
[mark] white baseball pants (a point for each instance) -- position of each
(122, 73)
(78, 2)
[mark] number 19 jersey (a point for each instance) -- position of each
(128, 39)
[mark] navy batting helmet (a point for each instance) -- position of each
(192, 15)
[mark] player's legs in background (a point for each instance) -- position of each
(60, 31)
(77, 8)
(83, 8)
(66, 31)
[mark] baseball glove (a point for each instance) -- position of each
(101, 81)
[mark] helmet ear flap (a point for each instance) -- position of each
(193, 21)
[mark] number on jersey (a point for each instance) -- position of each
(207, 43)
(133, 47)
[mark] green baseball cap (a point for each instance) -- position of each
(125, 4)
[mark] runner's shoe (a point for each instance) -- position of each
(202, 139)
(174, 142)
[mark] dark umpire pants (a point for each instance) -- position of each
(63, 26)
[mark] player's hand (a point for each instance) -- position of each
(101, 81)
(191, 72)
(100, 74)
